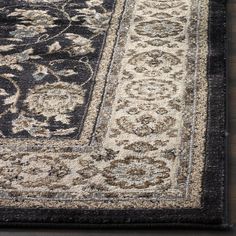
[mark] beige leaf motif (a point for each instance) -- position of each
(14, 39)
(54, 47)
(35, 57)
(5, 48)
(64, 131)
(16, 67)
(3, 92)
(66, 73)
(64, 118)
(41, 70)
(8, 75)
(28, 51)
(10, 100)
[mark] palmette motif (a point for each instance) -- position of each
(103, 94)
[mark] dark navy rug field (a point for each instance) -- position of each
(112, 113)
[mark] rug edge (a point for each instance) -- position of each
(13, 217)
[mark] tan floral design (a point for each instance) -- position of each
(159, 28)
(94, 3)
(8, 174)
(41, 172)
(145, 125)
(80, 45)
(150, 89)
(32, 171)
(14, 61)
(165, 5)
(95, 21)
(34, 127)
(39, 20)
(55, 100)
(154, 59)
(139, 173)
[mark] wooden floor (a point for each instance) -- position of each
(231, 16)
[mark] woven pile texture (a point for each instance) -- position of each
(110, 108)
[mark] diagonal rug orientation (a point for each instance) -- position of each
(112, 112)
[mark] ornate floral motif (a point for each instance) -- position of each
(159, 28)
(55, 100)
(152, 60)
(148, 108)
(139, 173)
(39, 20)
(141, 146)
(50, 64)
(166, 5)
(150, 89)
(80, 45)
(145, 125)
(31, 171)
(32, 126)
(96, 110)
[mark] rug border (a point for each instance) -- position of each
(213, 214)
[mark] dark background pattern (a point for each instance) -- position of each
(62, 60)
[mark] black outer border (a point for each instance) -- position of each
(213, 213)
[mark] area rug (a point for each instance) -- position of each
(112, 112)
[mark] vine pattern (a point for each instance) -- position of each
(140, 149)
(48, 62)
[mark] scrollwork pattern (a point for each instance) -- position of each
(48, 63)
(147, 111)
